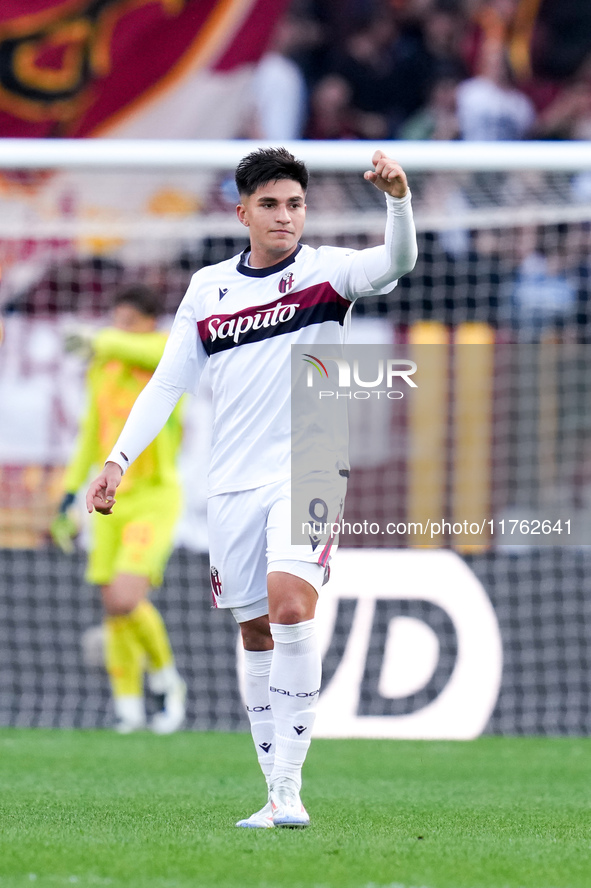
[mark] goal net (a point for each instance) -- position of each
(491, 459)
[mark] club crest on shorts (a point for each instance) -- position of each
(286, 282)
(216, 583)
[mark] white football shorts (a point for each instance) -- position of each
(250, 536)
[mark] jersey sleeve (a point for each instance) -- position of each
(87, 441)
(179, 371)
(138, 349)
(376, 270)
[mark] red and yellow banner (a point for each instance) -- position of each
(86, 67)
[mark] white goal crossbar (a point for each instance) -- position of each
(330, 156)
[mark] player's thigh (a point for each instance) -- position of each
(105, 541)
(237, 547)
(149, 519)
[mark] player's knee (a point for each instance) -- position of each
(118, 602)
(291, 598)
(118, 608)
(256, 634)
(292, 611)
(124, 593)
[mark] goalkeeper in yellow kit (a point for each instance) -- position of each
(129, 549)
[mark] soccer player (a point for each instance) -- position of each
(241, 316)
(129, 553)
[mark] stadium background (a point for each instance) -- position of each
(504, 258)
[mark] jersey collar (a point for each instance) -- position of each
(243, 268)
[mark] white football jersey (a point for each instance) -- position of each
(242, 322)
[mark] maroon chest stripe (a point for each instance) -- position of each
(285, 314)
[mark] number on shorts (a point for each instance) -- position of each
(313, 511)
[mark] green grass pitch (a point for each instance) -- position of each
(90, 808)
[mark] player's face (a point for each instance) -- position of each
(128, 318)
(275, 216)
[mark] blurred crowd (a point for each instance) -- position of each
(427, 69)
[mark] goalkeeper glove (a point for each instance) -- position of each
(63, 528)
(78, 340)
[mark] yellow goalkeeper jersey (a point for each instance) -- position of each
(122, 365)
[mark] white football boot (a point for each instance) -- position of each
(130, 714)
(174, 690)
(262, 819)
(286, 804)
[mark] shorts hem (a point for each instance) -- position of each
(310, 571)
(246, 612)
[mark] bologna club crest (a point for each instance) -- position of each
(286, 282)
(216, 585)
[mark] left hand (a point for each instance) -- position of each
(63, 530)
(78, 340)
(387, 175)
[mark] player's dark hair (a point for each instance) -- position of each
(269, 165)
(143, 298)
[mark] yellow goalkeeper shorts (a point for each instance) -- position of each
(137, 538)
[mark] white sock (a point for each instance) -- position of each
(130, 709)
(295, 678)
(256, 693)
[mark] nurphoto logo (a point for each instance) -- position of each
(349, 375)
